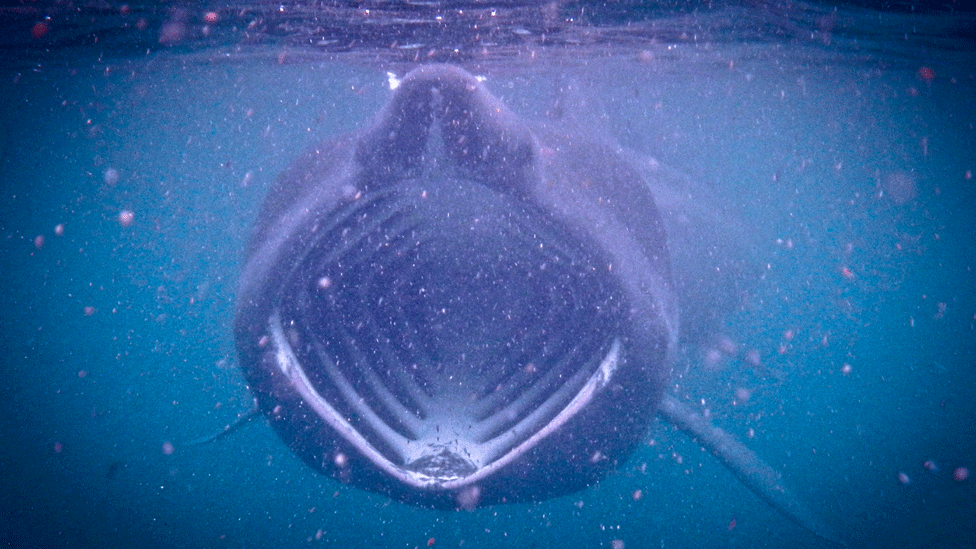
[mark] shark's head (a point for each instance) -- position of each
(456, 308)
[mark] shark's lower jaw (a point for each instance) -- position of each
(443, 330)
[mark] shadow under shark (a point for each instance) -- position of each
(457, 308)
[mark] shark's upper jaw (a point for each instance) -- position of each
(443, 329)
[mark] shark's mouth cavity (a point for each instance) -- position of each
(443, 329)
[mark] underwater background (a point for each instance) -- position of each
(830, 147)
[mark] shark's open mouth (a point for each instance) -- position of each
(444, 329)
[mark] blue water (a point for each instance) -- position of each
(846, 181)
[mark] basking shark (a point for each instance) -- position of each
(456, 307)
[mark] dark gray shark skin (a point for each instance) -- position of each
(455, 307)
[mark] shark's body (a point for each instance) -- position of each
(456, 307)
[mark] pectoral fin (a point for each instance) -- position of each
(762, 479)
